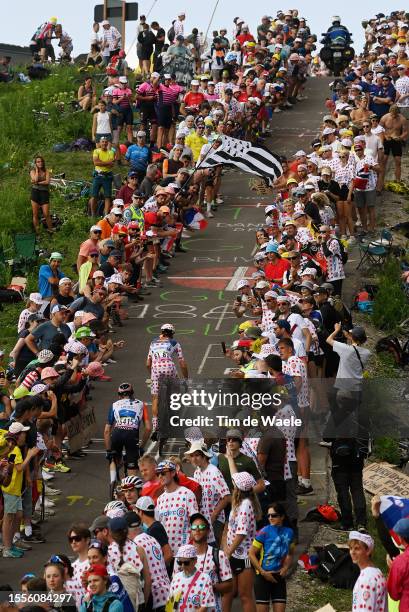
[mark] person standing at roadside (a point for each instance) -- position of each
(40, 194)
(103, 159)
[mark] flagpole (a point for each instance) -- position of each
(211, 19)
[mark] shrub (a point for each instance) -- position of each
(391, 305)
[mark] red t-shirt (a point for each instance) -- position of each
(275, 271)
(194, 98)
(151, 218)
(153, 489)
(125, 194)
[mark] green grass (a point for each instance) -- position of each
(22, 137)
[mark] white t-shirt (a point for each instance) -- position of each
(370, 592)
(214, 488)
(297, 325)
(350, 371)
(173, 511)
(373, 145)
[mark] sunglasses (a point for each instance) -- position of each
(94, 256)
(201, 527)
(163, 472)
(273, 515)
(118, 215)
(185, 563)
(96, 232)
(76, 538)
(366, 125)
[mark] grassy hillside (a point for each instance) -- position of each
(22, 136)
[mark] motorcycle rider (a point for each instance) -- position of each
(337, 33)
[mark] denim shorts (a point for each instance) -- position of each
(102, 181)
(12, 503)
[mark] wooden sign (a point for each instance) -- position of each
(384, 479)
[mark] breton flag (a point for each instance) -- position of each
(245, 156)
(392, 509)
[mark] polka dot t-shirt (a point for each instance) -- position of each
(369, 594)
(173, 511)
(242, 522)
(157, 568)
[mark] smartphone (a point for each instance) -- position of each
(12, 458)
(223, 347)
(238, 298)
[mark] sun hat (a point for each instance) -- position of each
(145, 503)
(49, 373)
(243, 283)
(64, 280)
(187, 551)
(16, 428)
(36, 298)
(55, 255)
(198, 447)
(45, 356)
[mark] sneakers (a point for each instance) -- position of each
(33, 539)
(219, 200)
(20, 545)
(303, 490)
(47, 476)
(12, 553)
(326, 444)
(60, 467)
(110, 360)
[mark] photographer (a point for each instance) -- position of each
(245, 300)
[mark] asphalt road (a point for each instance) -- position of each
(196, 297)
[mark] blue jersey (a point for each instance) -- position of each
(126, 413)
(274, 544)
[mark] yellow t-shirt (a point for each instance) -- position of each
(104, 156)
(16, 483)
(195, 142)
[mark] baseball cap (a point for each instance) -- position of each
(141, 134)
(123, 79)
(272, 248)
(64, 280)
(262, 285)
(300, 153)
(358, 333)
(101, 522)
(328, 131)
(105, 22)
(402, 528)
(117, 524)
(95, 228)
(115, 253)
(116, 211)
(36, 298)
(16, 428)
(299, 214)
(145, 503)
(55, 255)
(198, 516)
(49, 373)
(234, 433)
(84, 332)
(58, 308)
(243, 283)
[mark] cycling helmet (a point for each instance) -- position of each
(336, 19)
(131, 482)
(115, 505)
(125, 389)
(168, 326)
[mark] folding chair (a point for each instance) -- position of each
(25, 251)
(376, 251)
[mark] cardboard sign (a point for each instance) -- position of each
(81, 428)
(327, 608)
(384, 479)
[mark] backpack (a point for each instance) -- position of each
(324, 513)
(216, 560)
(171, 34)
(336, 567)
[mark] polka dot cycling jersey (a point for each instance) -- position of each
(163, 351)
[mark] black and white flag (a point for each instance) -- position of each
(245, 156)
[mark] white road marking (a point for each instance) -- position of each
(222, 315)
(238, 275)
(206, 356)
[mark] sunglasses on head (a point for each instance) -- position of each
(28, 576)
(96, 543)
(185, 563)
(56, 559)
(75, 538)
(201, 527)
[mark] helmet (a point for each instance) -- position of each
(131, 482)
(119, 228)
(335, 19)
(168, 326)
(133, 225)
(125, 389)
(115, 505)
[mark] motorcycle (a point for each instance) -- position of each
(337, 55)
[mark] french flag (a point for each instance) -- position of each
(392, 509)
(194, 219)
